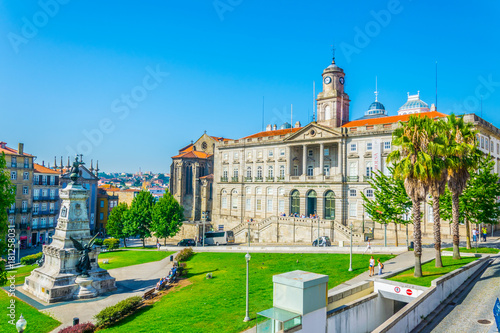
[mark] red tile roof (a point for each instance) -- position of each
(193, 154)
(41, 169)
(220, 138)
(391, 119)
(10, 151)
(273, 133)
(187, 148)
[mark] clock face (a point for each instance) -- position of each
(341, 80)
(328, 80)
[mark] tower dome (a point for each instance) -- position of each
(413, 105)
(285, 126)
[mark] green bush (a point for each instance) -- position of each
(184, 254)
(111, 243)
(115, 312)
(80, 328)
(98, 241)
(31, 259)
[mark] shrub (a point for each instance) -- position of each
(111, 243)
(31, 259)
(80, 328)
(117, 311)
(98, 241)
(184, 254)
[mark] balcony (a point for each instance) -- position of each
(269, 179)
(26, 166)
(234, 179)
(223, 179)
(23, 226)
(46, 198)
(352, 178)
(259, 179)
(35, 226)
(281, 178)
(24, 210)
(367, 178)
(11, 210)
(13, 165)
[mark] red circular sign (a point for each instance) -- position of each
(409, 292)
(397, 289)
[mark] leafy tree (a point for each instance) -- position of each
(412, 166)
(7, 198)
(478, 202)
(167, 217)
(138, 217)
(116, 222)
(390, 201)
(462, 155)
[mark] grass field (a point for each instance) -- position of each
(473, 250)
(37, 321)
(21, 273)
(430, 272)
(123, 258)
(218, 305)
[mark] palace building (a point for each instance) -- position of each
(280, 178)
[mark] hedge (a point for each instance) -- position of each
(31, 259)
(111, 243)
(184, 254)
(80, 328)
(98, 241)
(115, 312)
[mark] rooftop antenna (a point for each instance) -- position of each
(291, 118)
(333, 54)
(376, 89)
(262, 113)
(314, 96)
(481, 106)
(436, 84)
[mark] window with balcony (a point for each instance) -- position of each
(24, 206)
(36, 193)
(51, 221)
(249, 172)
(259, 172)
(13, 175)
(270, 171)
(282, 171)
(52, 194)
(44, 180)
(43, 222)
(36, 179)
(52, 208)
(35, 222)
(310, 171)
(26, 176)
(45, 193)
(369, 169)
(44, 207)
(235, 172)
(35, 208)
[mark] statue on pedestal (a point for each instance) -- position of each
(83, 265)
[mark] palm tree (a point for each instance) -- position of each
(412, 165)
(462, 155)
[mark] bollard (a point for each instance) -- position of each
(76, 321)
(171, 258)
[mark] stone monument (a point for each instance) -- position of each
(70, 269)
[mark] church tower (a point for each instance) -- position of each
(332, 102)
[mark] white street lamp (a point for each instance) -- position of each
(350, 259)
(21, 324)
(247, 258)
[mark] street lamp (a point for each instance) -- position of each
(350, 259)
(21, 324)
(247, 317)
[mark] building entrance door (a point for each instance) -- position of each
(311, 203)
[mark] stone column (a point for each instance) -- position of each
(289, 161)
(321, 158)
(304, 159)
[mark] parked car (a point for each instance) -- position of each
(187, 242)
(323, 241)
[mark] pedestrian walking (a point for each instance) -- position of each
(474, 235)
(372, 266)
(380, 267)
(158, 245)
(368, 247)
(485, 232)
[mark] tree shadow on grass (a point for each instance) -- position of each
(201, 273)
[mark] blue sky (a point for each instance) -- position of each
(68, 69)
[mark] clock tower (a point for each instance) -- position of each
(332, 102)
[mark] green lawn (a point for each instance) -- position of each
(37, 321)
(139, 248)
(430, 272)
(218, 305)
(123, 258)
(473, 250)
(21, 273)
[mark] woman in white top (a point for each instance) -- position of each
(372, 266)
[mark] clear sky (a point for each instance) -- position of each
(131, 82)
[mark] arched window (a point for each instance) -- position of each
(270, 171)
(295, 202)
(234, 199)
(311, 202)
(259, 172)
(282, 172)
(310, 170)
(326, 170)
(330, 205)
(369, 169)
(249, 172)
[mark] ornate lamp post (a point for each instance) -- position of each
(21, 324)
(350, 257)
(247, 258)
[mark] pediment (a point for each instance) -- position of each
(314, 131)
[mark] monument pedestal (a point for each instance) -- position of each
(59, 279)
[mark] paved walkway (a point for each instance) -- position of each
(130, 281)
(474, 303)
